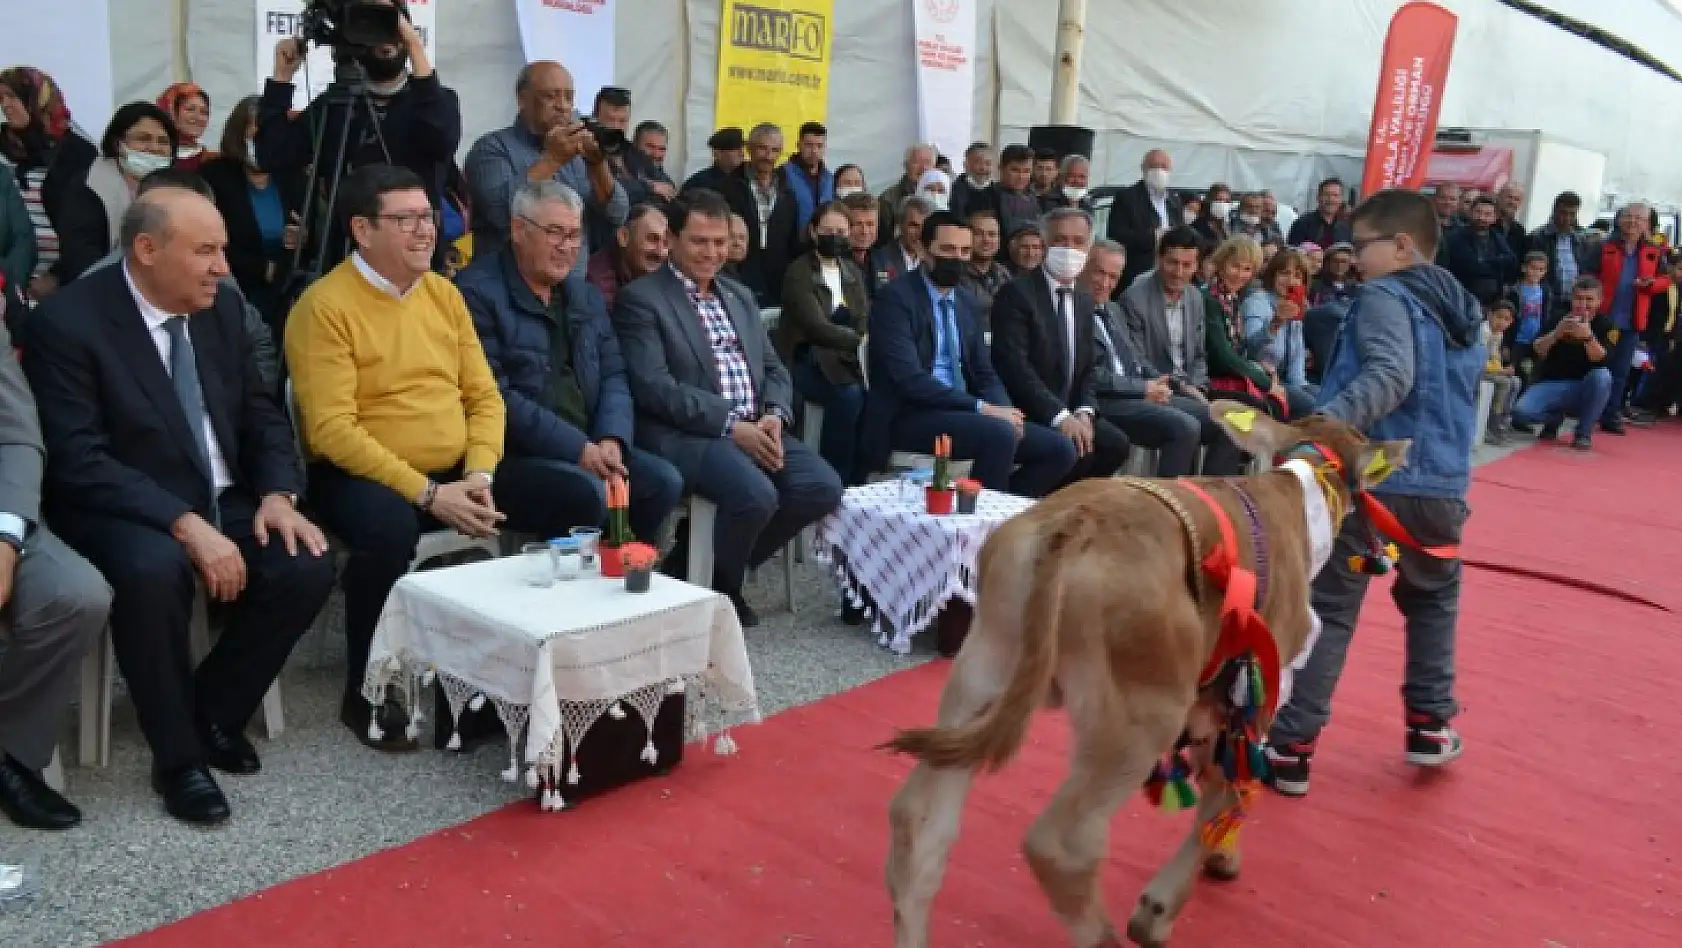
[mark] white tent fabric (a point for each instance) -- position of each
(1267, 93)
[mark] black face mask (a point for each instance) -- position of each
(385, 70)
(946, 272)
(831, 246)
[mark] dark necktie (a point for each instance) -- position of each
(184, 374)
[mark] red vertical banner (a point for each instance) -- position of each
(1410, 95)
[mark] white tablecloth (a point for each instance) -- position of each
(882, 542)
(559, 657)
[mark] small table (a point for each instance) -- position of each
(554, 659)
(885, 545)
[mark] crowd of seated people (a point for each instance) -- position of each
(490, 343)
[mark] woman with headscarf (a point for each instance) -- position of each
(935, 187)
(47, 153)
(188, 106)
(139, 140)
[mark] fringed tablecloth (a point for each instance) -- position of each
(883, 543)
(554, 659)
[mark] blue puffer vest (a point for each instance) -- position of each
(1440, 412)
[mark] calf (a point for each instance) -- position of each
(1100, 598)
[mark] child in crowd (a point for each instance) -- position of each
(1500, 372)
(1532, 301)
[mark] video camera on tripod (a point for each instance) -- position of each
(350, 26)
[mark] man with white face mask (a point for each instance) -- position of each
(1142, 213)
(1072, 179)
(934, 187)
(1044, 351)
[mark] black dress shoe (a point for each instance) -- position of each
(229, 751)
(29, 802)
(192, 796)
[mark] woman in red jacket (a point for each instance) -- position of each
(1632, 270)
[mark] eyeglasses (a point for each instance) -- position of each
(409, 223)
(1362, 243)
(556, 233)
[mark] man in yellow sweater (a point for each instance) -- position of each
(399, 413)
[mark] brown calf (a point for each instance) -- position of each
(1095, 599)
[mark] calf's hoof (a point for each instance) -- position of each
(1151, 925)
(1223, 866)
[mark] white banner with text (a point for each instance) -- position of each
(945, 37)
(576, 33)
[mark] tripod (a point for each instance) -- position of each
(348, 96)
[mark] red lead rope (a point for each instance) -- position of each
(1387, 524)
(1243, 631)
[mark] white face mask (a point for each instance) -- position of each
(846, 192)
(1249, 220)
(1190, 217)
(1221, 210)
(1064, 263)
(1074, 194)
(937, 198)
(1157, 179)
(139, 164)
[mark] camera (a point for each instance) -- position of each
(347, 24)
(610, 140)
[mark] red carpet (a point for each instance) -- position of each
(1561, 827)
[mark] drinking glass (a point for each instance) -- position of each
(538, 564)
(588, 538)
(567, 566)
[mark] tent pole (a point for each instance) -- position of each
(180, 67)
(1065, 82)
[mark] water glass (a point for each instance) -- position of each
(565, 551)
(537, 562)
(588, 539)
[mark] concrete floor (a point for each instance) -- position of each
(323, 799)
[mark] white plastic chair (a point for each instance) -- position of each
(703, 521)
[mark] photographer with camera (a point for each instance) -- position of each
(548, 140)
(418, 117)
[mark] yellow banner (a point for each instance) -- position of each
(773, 64)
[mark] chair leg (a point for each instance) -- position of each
(702, 517)
(789, 553)
(274, 712)
(94, 718)
(54, 774)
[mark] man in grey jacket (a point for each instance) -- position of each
(53, 606)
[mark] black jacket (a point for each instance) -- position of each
(1030, 348)
(246, 258)
(1133, 224)
(768, 257)
(118, 444)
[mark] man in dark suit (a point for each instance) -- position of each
(766, 201)
(1043, 347)
(713, 398)
(1142, 213)
(890, 261)
(172, 465)
(930, 375)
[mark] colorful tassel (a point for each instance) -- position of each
(1169, 785)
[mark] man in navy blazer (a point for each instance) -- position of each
(557, 361)
(930, 374)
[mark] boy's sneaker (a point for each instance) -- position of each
(1582, 443)
(1430, 741)
(1550, 431)
(1287, 768)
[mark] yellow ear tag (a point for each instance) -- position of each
(1379, 467)
(1242, 420)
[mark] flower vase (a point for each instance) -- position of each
(638, 580)
(612, 560)
(938, 502)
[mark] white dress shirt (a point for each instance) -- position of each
(832, 278)
(1159, 203)
(1175, 312)
(380, 283)
(1065, 310)
(155, 318)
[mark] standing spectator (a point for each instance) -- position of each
(1569, 249)
(728, 146)
(713, 398)
(612, 108)
(766, 200)
(646, 179)
(545, 142)
(638, 249)
(1571, 375)
(173, 466)
(1273, 328)
(1072, 179)
(1327, 225)
(1632, 272)
(1142, 213)
(1019, 208)
(553, 352)
(1445, 199)
(931, 375)
(188, 106)
(1217, 207)
(1478, 254)
(933, 187)
(862, 220)
(985, 276)
(918, 159)
(1534, 307)
(849, 180)
(139, 140)
(1410, 372)
(419, 128)
(892, 261)
(809, 180)
(1509, 201)
(49, 154)
(1044, 176)
(261, 213)
(826, 311)
(974, 189)
(1044, 351)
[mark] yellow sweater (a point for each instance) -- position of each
(391, 390)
